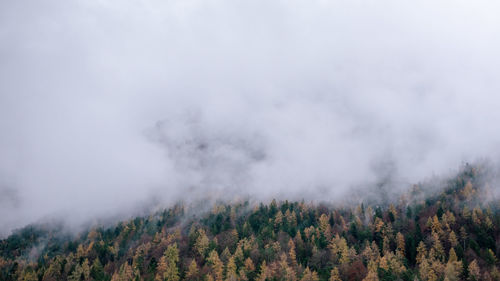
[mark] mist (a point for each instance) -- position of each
(106, 105)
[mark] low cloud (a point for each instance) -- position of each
(107, 104)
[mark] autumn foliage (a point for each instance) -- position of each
(448, 235)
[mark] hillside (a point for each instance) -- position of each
(449, 234)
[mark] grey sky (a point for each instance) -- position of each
(106, 104)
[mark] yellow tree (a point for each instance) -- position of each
(386, 244)
(437, 247)
(453, 267)
(28, 275)
(265, 272)
(452, 238)
(324, 225)
(231, 274)
(309, 275)
(192, 272)
(474, 271)
(436, 225)
(371, 276)
(124, 274)
(425, 270)
(334, 275)
(225, 255)
(238, 255)
(278, 219)
(291, 253)
(83, 271)
(249, 266)
(400, 241)
(53, 273)
(285, 271)
(202, 242)
(167, 268)
(217, 265)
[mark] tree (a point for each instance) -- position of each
(400, 241)
(437, 247)
(192, 272)
(81, 271)
(371, 276)
(167, 269)
(249, 266)
(53, 273)
(29, 275)
(97, 271)
(265, 272)
(124, 274)
(421, 252)
(452, 238)
(286, 272)
(217, 265)
(425, 270)
(202, 242)
(474, 272)
(231, 274)
(309, 275)
(291, 253)
(453, 267)
(334, 275)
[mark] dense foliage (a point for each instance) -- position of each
(449, 235)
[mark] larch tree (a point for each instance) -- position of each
(202, 242)
(334, 275)
(285, 271)
(168, 270)
(216, 264)
(309, 275)
(265, 272)
(400, 241)
(192, 272)
(291, 253)
(452, 238)
(249, 265)
(371, 276)
(474, 271)
(231, 274)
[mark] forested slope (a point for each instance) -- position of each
(452, 234)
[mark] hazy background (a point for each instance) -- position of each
(106, 104)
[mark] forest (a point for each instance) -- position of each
(446, 233)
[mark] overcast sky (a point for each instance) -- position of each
(106, 104)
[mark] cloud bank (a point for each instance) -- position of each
(106, 104)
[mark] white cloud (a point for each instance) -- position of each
(104, 104)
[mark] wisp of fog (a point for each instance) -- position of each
(106, 104)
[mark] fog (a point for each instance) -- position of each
(106, 105)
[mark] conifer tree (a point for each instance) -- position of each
(192, 272)
(334, 275)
